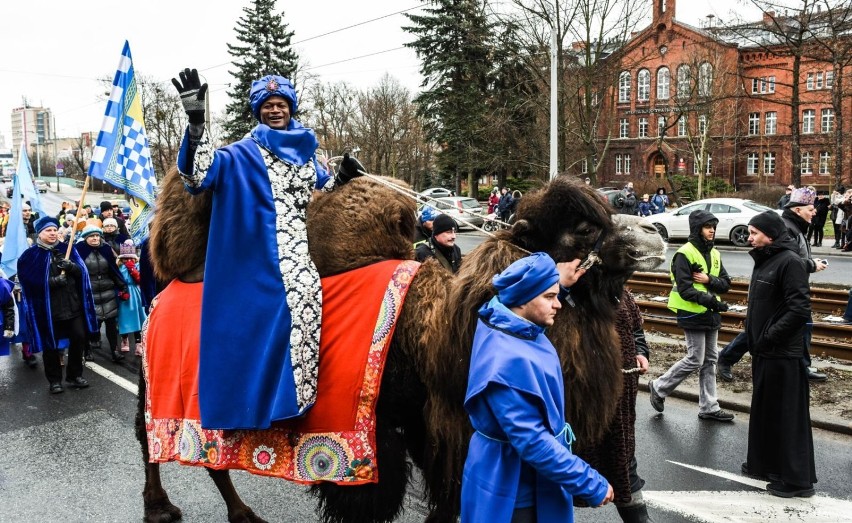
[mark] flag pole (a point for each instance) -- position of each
(77, 218)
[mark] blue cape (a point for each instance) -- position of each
(6, 287)
(33, 272)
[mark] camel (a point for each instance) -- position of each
(420, 413)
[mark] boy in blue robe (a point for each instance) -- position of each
(519, 466)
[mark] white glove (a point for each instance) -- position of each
(8, 334)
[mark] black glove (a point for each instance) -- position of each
(192, 93)
(721, 306)
(65, 264)
(694, 267)
(57, 281)
(348, 169)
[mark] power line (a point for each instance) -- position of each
(354, 58)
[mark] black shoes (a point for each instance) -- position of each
(657, 401)
(767, 477)
(56, 387)
(718, 415)
(813, 375)
(31, 361)
(786, 490)
(117, 356)
(78, 383)
(725, 372)
(88, 356)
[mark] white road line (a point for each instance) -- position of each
(756, 483)
(113, 377)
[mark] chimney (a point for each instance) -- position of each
(768, 17)
(664, 10)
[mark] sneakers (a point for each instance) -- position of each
(813, 375)
(125, 347)
(56, 387)
(725, 372)
(78, 383)
(717, 415)
(657, 401)
(786, 490)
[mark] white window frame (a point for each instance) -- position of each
(662, 123)
(753, 124)
(664, 79)
(809, 83)
(624, 128)
(626, 164)
(702, 124)
(684, 81)
(829, 79)
(708, 169)
(819, 79)
(624, 80)
(770, 81)
(827, 120)
(808, 121)
(618, 168)
(769, 164)
(824, 161)
(752, 165)
(807, 164)
(681, 125)
(643, 85)
(771, 123)
(643, 128)
(705, 79)
(755, 82)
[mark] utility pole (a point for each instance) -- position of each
(554, 104)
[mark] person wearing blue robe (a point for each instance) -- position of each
(7, 315)
(60, 308)
(519, 465)
(262, 300)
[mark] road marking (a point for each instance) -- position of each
(113, 377)
(745, 506)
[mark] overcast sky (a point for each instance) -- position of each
(54, 51)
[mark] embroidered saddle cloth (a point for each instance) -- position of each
(335, 440)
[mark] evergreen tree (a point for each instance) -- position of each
(453, 43)
(264, 48)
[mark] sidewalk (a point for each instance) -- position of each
(732, 397)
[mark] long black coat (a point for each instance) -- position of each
(779, 303)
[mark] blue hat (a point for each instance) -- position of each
(427, 214)
(271, 85)
(91, 229)
(44, 222)
(525, 279)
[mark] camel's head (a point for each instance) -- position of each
(361, 223)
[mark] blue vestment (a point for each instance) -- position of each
(33, 273)
(131, 312)
(262, 301)
(6, 287)
(520, 454)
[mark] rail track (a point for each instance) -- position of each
(828, 339)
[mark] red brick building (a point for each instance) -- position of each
(718, 100)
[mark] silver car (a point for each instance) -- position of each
(461, 208)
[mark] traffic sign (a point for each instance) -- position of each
(60, 172)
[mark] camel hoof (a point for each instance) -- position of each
(245, 515)
(161, 511)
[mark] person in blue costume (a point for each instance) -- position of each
(519, 466)
(262, 300)
(7, 314)
(60, 307)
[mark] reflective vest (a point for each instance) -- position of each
(693, 255)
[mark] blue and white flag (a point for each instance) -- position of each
(121, 155)
(25, 181)
(16, 231)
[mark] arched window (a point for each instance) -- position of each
(643, 85)
(663, 83)
(684, 81)
(624, 87)
(705, 79)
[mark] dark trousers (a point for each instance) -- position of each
(111, 332)
(838, 239)
(75, 331)
(816, 230)
(524, 515)
(734, 351)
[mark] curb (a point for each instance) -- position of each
(829, 423)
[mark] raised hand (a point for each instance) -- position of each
(192, 93)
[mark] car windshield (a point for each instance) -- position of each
(470, 203)
(756, 206)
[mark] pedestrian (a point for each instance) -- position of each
(261, 186)
(785, 198)
(112, 236)
(7, 314)
(780, 442)
(519, 465)
(645, 208)
(131, 311)
(821, 205)
(60, 307)
(626, 201)
(493, 200)
(698, 279)
(660, 200)
(29, 221)
(441, 245)
(22, 334)
(836, 215)
(108, 212)
(504, 205)
(108, 288)
(423, 228)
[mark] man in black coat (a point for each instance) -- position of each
(817, 227)
(780, 442)
(442, 244)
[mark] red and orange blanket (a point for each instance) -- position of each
(335, 441)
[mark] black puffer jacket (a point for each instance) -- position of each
(779, 304)
(105, 278)
(798, 228)
(709, 319)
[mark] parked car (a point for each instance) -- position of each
(733, 214)
(610, 194)
(40, 185)
(461, 208)
(437, 192)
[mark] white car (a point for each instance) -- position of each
(40, 185)
(437, 192)
(733, 214)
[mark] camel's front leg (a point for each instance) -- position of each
(238, 512)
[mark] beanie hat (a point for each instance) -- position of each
(443, 223)
(769, 223)
(525, 279)
(127, 250)
(106, 206)
(801, 196)
(90, 230)
(44, 222)
(110, 221)
(70, 217)
(427, 214)
(271, 85)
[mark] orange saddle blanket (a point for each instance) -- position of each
(335, 440)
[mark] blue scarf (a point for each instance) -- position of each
(295, 145)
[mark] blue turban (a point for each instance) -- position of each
(271, 85)
(44, 222)
(525, 279)
(427, 214)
